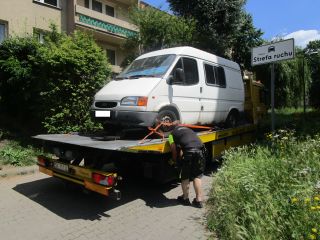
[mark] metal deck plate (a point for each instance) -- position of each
(96, 142)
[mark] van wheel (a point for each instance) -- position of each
(166, 116)
(232, 119)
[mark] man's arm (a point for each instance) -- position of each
(174, 151)
(173, 148)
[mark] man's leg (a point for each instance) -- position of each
(198, 189)
(185, 188)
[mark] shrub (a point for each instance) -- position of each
(268, 191)
(78, 68)
(52, 84)
(14, 154)
(19, 85)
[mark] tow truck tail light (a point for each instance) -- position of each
(42, 161)
(102, 179)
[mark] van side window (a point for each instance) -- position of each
(220, 76)
(190, 69)
(210, 79)
(215, 75)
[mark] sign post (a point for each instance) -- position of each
(270, 53)
(272, 99)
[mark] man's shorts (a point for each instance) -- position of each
(192, 166)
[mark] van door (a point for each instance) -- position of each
(214, 99)
(186, 94)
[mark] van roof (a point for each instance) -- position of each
(193, 52)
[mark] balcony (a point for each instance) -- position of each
(104, 23)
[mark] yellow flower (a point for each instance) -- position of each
(313, 208)
(294, 200)
(314, 230)
(312, 236)
(316, 198)
(307, 200)
(318, 207)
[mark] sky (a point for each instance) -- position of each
(298, 19)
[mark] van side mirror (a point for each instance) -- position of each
(170, 80)
(179, 75)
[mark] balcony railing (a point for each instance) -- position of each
(104, 23)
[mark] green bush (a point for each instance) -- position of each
(51, 85)
(14, 154)
(19, 85)
(268, 191)
(78, 68)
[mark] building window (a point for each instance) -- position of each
(86, 3)
(39, 35)
(111, 54)
(3, 32)
(97, 6)
(110, 11)
(50, 2)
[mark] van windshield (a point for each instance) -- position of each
(155, 66)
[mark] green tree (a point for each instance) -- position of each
(224, 28)
(52, 84)
(158, 29)
(289, 80)
(245, 39)
(313, 58)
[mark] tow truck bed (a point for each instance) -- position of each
(150, 156)
(149, 145)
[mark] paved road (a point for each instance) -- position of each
(39, 207)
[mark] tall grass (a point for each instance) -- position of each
(269, 190)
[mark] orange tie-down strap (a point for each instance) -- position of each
(155, 130)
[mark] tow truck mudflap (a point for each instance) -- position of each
(94, 180)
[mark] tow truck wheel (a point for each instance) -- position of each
(166, 116)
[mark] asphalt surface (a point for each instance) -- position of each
(39, 207)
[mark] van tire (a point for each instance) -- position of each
(167, 116)
(232, 119)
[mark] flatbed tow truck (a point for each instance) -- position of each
(98, 162)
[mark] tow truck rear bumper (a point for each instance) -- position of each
(79, 175)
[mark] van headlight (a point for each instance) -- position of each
(134, 101)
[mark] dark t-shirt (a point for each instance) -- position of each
(186, 138)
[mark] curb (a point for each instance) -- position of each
(18, 171)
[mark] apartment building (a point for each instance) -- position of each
(107, 20)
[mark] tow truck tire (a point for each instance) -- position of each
(166, 116)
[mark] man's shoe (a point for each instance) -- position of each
(183, 201)
(197, 204)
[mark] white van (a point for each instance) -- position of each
(181, 83)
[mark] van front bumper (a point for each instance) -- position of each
(130, 118)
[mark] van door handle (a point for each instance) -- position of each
(200, 89)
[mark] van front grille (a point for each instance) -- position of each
(106, 104)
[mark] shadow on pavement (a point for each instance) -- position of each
(70, 202)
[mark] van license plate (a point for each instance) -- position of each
(102, 113)
(61, 166)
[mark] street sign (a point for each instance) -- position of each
(274, 52)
